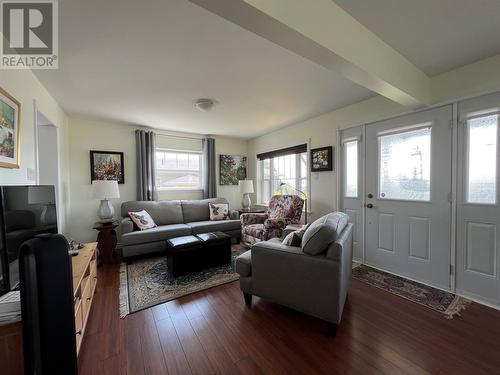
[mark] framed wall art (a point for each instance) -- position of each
(107, 165)
(10, 121)
(322, 159)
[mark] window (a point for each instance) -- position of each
(351, 168)
(290, 169)
(405, 165)
(178, 170)
(482, 146)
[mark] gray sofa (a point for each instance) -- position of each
(173, 219)
(313, 278)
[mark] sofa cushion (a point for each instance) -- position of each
(159, 233)
(197, 210)
(243, 265)
(323, 232)
(214, 226)
(162, 212)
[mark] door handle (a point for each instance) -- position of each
(369, 205)
(370, 195)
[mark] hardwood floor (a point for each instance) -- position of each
(213, 332)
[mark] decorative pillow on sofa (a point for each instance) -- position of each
(142, 220)
(323, 232)
(295, 238)
(219, 211)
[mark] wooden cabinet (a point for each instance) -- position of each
(84, 286)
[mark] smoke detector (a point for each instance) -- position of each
(204, 105)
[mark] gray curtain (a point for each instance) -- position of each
(146, 184)
(209, 184)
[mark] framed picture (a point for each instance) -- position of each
(322, 159)
(232, 168)
(10, 121)
(107, 165)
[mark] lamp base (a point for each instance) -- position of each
(246, 202)
(106, 211)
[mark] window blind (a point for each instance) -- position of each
(299, 149)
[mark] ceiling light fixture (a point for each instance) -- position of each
(204, 105)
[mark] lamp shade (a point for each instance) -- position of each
(105, 189)
(246, 186)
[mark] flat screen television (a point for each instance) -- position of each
(25, 212)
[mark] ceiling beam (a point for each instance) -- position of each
(324, 33)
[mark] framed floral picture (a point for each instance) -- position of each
(107, 165)
(322, 159)
(10, 110)
(232, 168)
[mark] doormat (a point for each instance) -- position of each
(438, 300)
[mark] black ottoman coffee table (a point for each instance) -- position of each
(192, 253)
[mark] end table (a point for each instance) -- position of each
(106, 242)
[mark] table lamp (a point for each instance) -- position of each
(105, 190)
(246, 188)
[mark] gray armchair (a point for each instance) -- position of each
(312, 279)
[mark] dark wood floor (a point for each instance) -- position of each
(213, 332)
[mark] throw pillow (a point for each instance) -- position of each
(142, 220)
(323, 232)
(295, 238)
(219, 211)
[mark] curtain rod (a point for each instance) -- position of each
(158, 133)
(181, 136)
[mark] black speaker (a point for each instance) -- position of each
(48, 317)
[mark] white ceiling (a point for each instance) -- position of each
(435, 35)
(145, 62)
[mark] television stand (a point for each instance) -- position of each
(84, 267)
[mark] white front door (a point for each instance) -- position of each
(351, 188)
(408, 188)
(478, 200)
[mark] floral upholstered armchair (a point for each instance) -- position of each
(283, 210)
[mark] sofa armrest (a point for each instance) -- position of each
(253, 218)
(127, 225)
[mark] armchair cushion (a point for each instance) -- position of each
(273, 224)
(252, 218)
(323, 232)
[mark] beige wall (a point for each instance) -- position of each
(88, 134)
(321, 131)
(25, 87)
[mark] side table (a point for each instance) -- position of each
(106, 242)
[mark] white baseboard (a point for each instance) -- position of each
(479, 299)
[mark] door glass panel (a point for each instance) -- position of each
(405, 165)
(351, 168)
(482, 139)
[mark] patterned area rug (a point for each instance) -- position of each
(438, 300)
(146, 282)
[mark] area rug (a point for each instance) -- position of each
(446, 303)
(146, 282)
